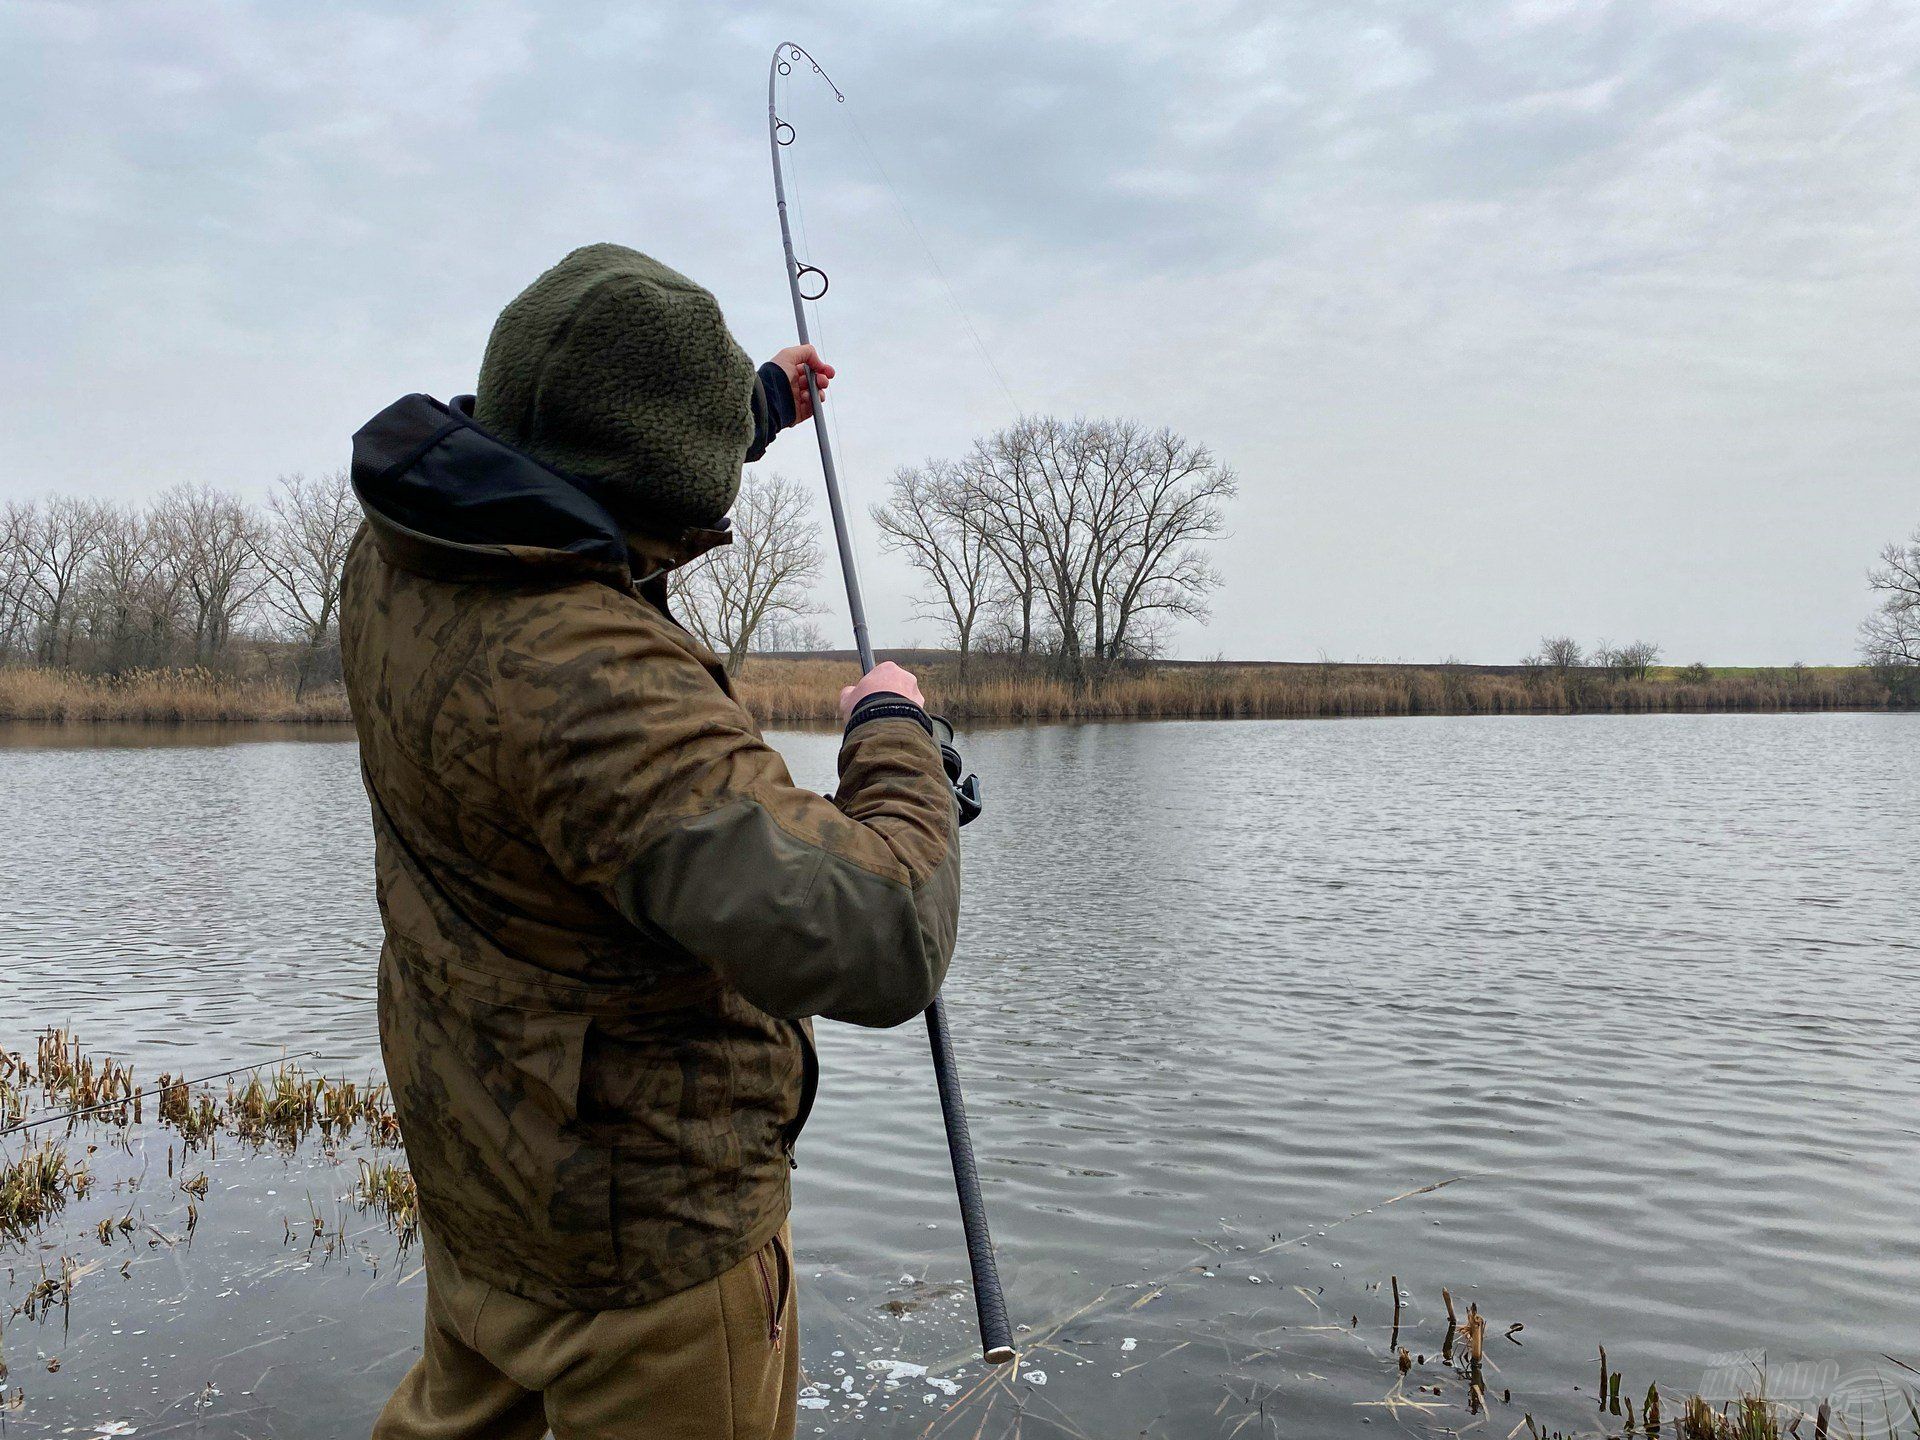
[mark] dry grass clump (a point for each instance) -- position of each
(388, 1189)
(176, 1099)
(77, 1081)
(342, 1105)
(282, 1107)
(165, 696)
(34, 1186)
(15, 1076)
(1750, 1417)
(195, 1116)
(288, 1103)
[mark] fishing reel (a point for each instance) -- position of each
(971, 798)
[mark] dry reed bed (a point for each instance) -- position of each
(782, 690)
(808, 691)
(162, 697)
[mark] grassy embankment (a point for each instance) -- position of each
(787, 689)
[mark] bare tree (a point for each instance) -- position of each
(789, 634)
(1065, 511)
(1162, 497)
(216, 540)
(1621, 662)
(1002, 476)
(930, 516)
(768, 570)
(14, 616)
(1636, 659)
(1098, 529)
(134, 592)
(311, 522)
(57, 541)
(1890, 636)
(1557, 652)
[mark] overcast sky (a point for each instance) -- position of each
(1545, 315)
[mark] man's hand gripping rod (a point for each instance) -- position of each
(996, 1337)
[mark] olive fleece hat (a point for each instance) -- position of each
(618, 370)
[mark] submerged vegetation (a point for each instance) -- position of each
(67, 1105)
(75, 1124)
(275, 1103)
(1423, 1380)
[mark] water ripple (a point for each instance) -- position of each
(1646, 982)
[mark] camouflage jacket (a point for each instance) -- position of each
(608, 909)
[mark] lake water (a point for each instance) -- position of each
(1619, 1013)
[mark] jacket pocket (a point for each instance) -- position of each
(489, 1101)
(773, 1264)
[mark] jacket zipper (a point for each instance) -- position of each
(809, 1088)
(773, 1301)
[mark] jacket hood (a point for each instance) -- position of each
(620, 370)
(446, 498)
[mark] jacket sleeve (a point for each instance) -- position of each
(647, 783)
(772, 408)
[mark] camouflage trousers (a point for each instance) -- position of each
(718, 1362)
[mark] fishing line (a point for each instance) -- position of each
(830, 412)
(69, 1115)
(912, 226)
(900, 204)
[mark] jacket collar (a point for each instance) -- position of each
(651, 555)
(445, 498)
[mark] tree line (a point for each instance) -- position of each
(1080, 541)
(1075, 544)
(107, 588)
(1889, 636)
(1631, 661)
(1072, 543)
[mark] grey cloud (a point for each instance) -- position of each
(1469, 292)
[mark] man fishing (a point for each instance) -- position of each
(609, 911)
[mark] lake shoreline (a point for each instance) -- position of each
(805, 690)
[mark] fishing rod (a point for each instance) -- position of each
(996, 1336)
(71, 1115)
